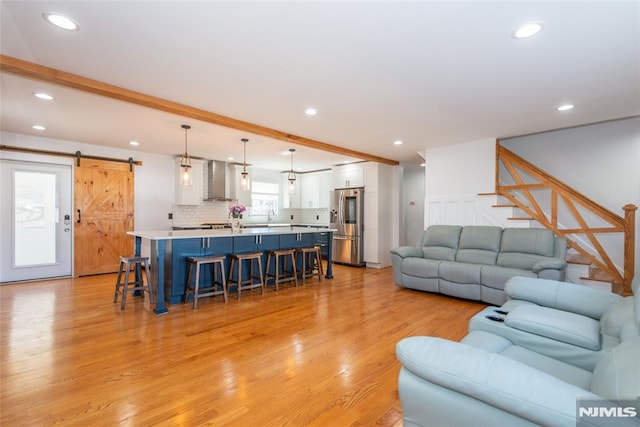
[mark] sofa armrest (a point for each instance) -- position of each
(558, 325)
(407, 251)
(549, 264)
(501, 382)
(565, 296)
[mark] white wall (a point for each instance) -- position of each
(454, 176)
(154, 180)
(601, 161)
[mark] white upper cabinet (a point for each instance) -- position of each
(190, 194)
(326, 187)
(311, 190)
(348, 176)
(314, 189)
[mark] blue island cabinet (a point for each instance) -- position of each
(293, 241)
(181, 249)
(169, 251)
(251, 244)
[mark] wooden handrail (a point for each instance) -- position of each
(575, 203)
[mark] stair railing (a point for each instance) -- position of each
(527, 179)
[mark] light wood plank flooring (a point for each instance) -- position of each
(320, 355)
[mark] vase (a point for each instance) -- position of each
(235, 225)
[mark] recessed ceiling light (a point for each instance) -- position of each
(43, 95)
(398, 142)
(311, 111)
(527, 30)
(423, 164)
(38, 127)
(565, 107)
(61, 21)
(346, 161)
(230, 158)
(134, 143)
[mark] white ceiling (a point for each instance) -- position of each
(425, 72)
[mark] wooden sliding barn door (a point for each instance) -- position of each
(103, 206)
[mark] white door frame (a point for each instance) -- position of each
(63, 265)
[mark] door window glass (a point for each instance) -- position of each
(35, 216)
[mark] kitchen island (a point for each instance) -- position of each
(170, 249)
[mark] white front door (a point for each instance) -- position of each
(35, 220)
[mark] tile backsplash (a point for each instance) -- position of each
(217, 212)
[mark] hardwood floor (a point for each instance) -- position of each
(323, 354)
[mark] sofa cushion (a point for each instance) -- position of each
(495, 277)
(479, 245)
(496, 344)
(558, 325)
(486, 341)
(524, 247)
(519, 260)
(459, 272)
(564, 371)
(534, 241)
(420, 267)
(440, 242)
(616, 376)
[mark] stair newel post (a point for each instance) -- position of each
(629, 245)
(497, 173)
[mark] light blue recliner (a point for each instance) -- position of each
(528, 367)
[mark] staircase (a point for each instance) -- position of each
(579, 269)
(601, 243)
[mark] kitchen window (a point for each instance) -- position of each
(264, 199)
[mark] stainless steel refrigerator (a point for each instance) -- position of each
(346, 217)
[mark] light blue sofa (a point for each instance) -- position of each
(475, 262)
(496, 377)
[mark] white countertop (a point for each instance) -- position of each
(190, 234)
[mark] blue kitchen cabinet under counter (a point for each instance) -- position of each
(182, 249)
(169, 251)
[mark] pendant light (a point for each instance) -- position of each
(292, 175)
(244, 180)
(186, 173)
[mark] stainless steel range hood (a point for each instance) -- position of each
(218, 178)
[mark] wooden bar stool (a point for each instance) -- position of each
(286, 275)
(311, 262)
(138, 284)
(249, 283)
(217, 265)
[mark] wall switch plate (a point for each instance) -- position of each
(170, 215)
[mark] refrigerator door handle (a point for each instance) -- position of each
(340, 209)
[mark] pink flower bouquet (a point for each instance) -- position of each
(235, 211)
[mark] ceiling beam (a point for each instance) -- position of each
(19, 67)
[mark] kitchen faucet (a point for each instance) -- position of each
(270, 212)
